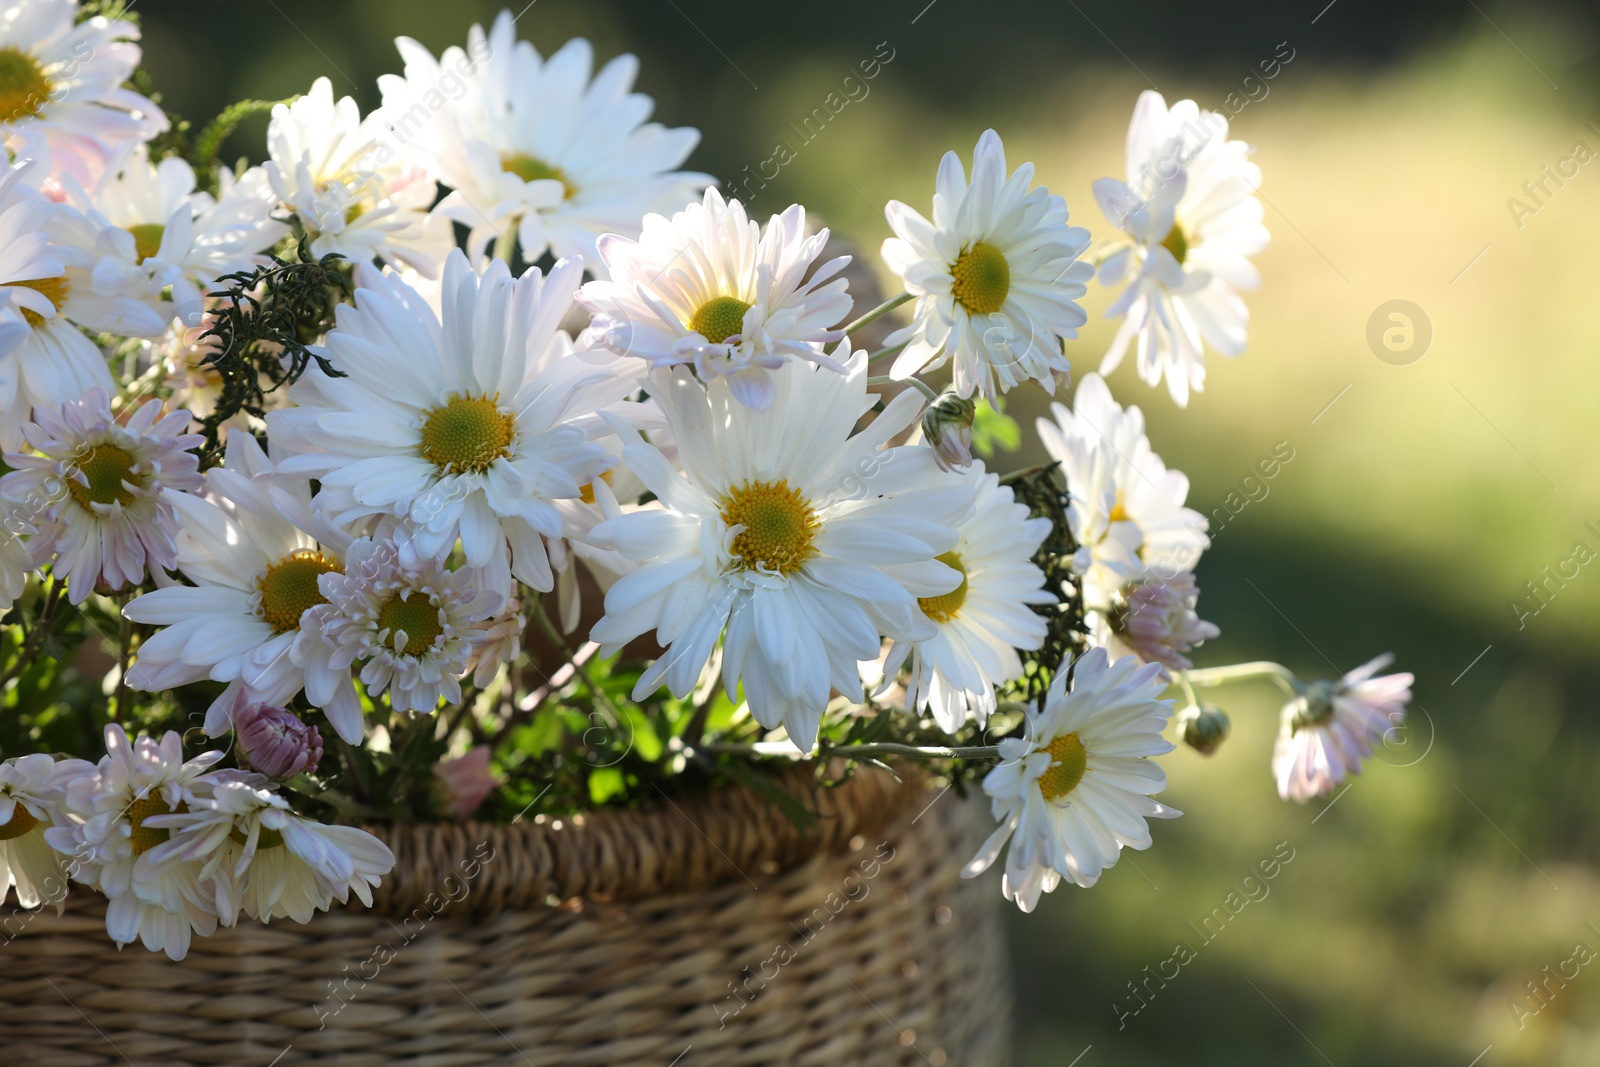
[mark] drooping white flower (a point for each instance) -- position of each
(257, 856)
(355, 193)
(63, 94)
(1077, 789)
(1190, 208)
(48, 253)
(176, 236)
(106, 516)
(154, 899)
(1127, 510)
(1331, 727)
(468, 429)
(1154, 618)
(709, 287)
(533, 145)
(804, 543)
(414, 626)
(982, 623)
(996, 275)
(252, 551)
(31, 789)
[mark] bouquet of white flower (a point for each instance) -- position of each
(322, 495)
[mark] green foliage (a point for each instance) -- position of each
(261, 331)
(1044, 491)
(992, 430)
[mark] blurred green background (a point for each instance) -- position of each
(1415, 509)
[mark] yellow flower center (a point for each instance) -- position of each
(982, 278)
(107, 468)
(144, 837)
(467, 434)
(719, 319)
(1177, 243)
(23, 85)
(1069, 760)
(55, 289)
(533, 169)
(147, 238)
(945, 607)
(1119, 511)
(290, 587)
(21, 822)
(416, 615)
(778, 526)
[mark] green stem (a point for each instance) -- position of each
(924, 387)
(210, 140)
(885, 353)
(505, 245)
(1241, 672)
(872, 316)
(601, 697)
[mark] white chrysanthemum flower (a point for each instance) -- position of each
(1189, 206)
(535, 144)
(805, 543)
(174, 235)
(466, 429)
(1333, 726)
(354, 192)
(1076, 790)
(252, 550)
(708, 286)
(984, 621)
(99, 489)
(63, 97)
(996, 275)
(258, 856)
(48, 252)
(415, 627)
(105, 836)
(1154, 618)
(31, 790)
(1127, 510)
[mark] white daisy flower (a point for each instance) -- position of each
(63, 98)
(105, 834)
(984, 621)
(708, 286)
(106, 520)
(1076, 791)
(354, 193)
(415, 626)
(1333, 726)
(31, 789)
(468, 429)
(47, 254)
(785, 531)
(173, 235)
(1127, 510)
(252, 551)
(261, 858)
(1190, 208)
(996, 275)
(535, 144)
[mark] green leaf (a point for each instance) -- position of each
(605, 783)
(992, 429)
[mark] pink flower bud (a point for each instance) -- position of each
(464, 782)
(274, 741)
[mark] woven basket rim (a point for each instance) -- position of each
(677, 844)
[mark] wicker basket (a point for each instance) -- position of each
(705, 931)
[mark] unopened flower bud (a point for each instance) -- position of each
(1204, 727)
(947, 426)
(1156, 619)
(464, 781)
(275, 741)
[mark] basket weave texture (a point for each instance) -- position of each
(704, 931)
